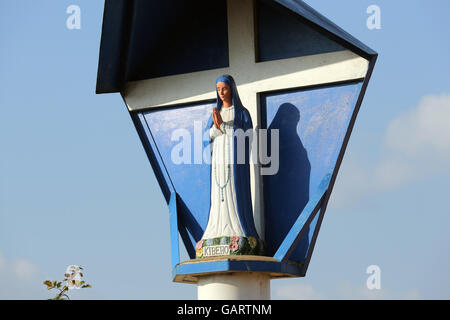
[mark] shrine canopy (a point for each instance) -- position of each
(296, 72)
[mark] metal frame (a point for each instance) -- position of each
(279, 267)
(117, 25)
(112, 80)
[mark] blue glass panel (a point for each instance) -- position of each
(178, 36)
(191, 179)
(282, 34)
(312, 125)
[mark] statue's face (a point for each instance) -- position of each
(224, 91)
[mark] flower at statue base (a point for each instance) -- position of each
(199, 245)
(233, 246)
(242, 242)
(253, 242)
(72, 280)
(234, 239)
(199, 253)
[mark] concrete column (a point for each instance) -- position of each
(235, 286)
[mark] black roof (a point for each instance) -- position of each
(144, 39)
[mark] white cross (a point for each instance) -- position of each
(251, 79)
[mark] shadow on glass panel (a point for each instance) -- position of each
(286, 193)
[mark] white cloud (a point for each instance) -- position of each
(413, 294)
(20, 279)
(297, 292)
(423, 130)
(23, 269)
(393, 172)
(342, 291)
(416, 144)
(2, 262)
(351, 185)
(347, 291)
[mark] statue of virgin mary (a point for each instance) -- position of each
(230, 229)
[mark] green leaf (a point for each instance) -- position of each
(48, 282)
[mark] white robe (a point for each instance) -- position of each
(223, 215)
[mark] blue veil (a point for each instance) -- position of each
(242, 120)
(234, 95)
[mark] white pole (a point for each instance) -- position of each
(234, 286)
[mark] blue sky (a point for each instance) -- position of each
(76, 186)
